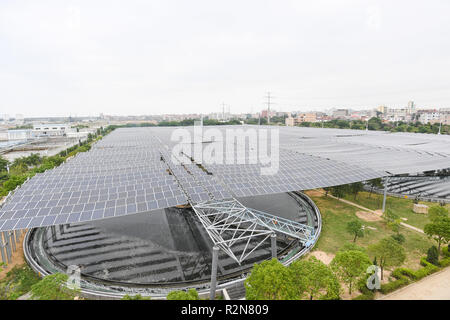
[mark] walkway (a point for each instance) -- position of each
(433, 287)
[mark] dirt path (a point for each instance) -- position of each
(323, 256)
(433, 287)
(367, 216)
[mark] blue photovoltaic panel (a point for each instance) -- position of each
(131, 171)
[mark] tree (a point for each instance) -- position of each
(389, 253)
(3, 163)
(315, 279)
(355, 228)
(270, 280)
(350, 266)
(433, 255)
(339, 191)
(436, 212)
(392, 220)
(375, 183)
(439, 230)
(53, 287)
(191, 294)
(355, 188)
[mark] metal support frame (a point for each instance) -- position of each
(2, 250)
(386, 181)
(12, 240)
(229, 223)
(273, 245)
(215, 258)
(7, 245)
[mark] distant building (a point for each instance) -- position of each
(290, 121)
(445, 118)
(395, 115)
(301, 117)
(429, 116)
(340, 114)
(382, 109)
(411, 107)
(51, 129)
(22, 134)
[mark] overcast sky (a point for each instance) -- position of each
(152, 57)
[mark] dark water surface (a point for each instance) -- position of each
(158, 247)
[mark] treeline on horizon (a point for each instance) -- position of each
(374, 124)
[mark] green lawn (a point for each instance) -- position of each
(400, 206)
(336, 215)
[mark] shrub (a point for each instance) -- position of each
(445, 251)
(427, 270)
(433, 255)
(13, 182)
(394, 285)
(53, 287)
(136, 297)
(366, 293)
(191, 294)
(402, 275)
(17, 282)
(444, 262)
(399, 238)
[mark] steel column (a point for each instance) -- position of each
(273, 245)
(7, 246)
(12, 240)
(215, 258)
(2, 249)
(386, 180)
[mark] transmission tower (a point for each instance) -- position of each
(269, 102)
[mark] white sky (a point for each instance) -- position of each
(153, 57)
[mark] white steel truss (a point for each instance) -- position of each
(229, 223)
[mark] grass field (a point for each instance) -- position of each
(402, 207)
(336, 215)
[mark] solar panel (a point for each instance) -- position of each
(130, 171)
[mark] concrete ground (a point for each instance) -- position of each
(433, 287)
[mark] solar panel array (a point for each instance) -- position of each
(131, 171)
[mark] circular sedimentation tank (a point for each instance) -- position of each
(158, 251)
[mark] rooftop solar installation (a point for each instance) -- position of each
(131, 171)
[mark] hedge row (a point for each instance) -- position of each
(404, 276)
(445, 252)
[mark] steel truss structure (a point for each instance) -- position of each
(229, 223)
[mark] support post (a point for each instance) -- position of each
(273, 245)
(2, 249)
(386, 180)
(12, 240)
(215, 258)
(7, 246)
(53, 230)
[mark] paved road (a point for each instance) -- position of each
(433, 287)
